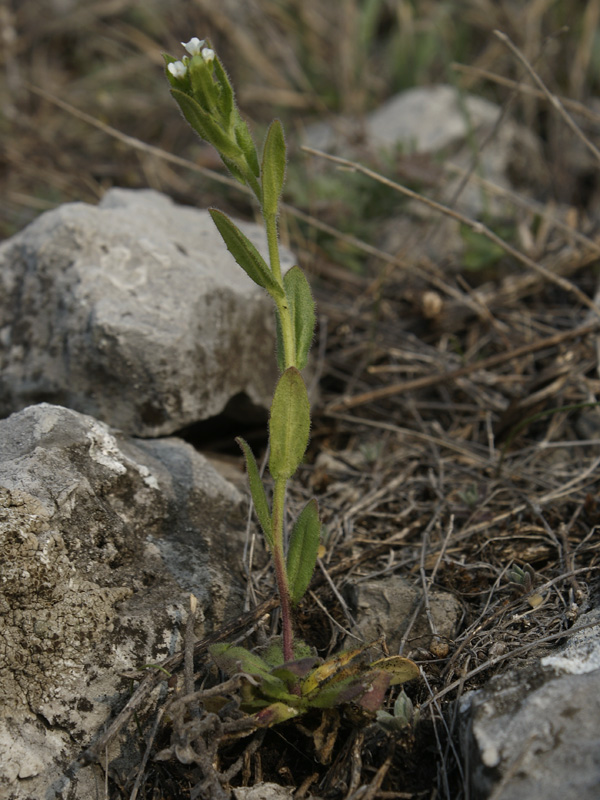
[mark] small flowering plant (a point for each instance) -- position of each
(287, 682)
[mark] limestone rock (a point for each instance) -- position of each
(102, 540)
(533, 733)
(437, 119)
(134, 312)
(387, 605)
(263, 791)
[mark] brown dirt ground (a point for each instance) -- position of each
(456, 420)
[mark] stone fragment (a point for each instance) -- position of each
(263, 791)
(386, 606)
(132, 311)
(534, 733)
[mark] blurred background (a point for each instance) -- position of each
(300, 60)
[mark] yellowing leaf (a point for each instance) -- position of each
(330, 667)
(401, 669)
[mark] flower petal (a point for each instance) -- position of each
(177, 69)
(194, 46)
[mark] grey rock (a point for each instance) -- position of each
(267, 791)
(387, 606)
(102, 538)
(263, 791)
(132, 311)
(435, 119)
(534, 733)
(428, 119)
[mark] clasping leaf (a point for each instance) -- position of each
(289, 425)
(302, 308)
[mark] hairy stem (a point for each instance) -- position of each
(280, 569)
(253, 184)
(285, 319)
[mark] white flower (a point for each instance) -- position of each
(177, 69)
(194, 46)
(208, 55)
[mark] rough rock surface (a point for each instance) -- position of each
(102, 539)
(534, 733)
(387, 606)
(263, 791)
(134, 312)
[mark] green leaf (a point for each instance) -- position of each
(257, 490)
(204, 125)
(291, 671)
(403, 707)
(204, 89)
(232, 659)
(273, 655)
(246, 143)
(276, 712)
(245, 253)
(343, 691)
(303, 549)
(302, 308)
(280, 350)
(289, 425)
(273, 168)
(226, 102)
(234, 169)
(334, 666)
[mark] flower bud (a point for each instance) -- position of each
(177, 69)
(194, 46)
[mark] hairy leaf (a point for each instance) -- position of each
(303, 550)
(245, 253)
(302, 308)
(276, 712)
(257, 490)
(289, 425)
(204, 124)
(226, 101)
(273, 655)
(232, 660)
(273, 168)
(280, 349)
(246, 143)
(292, 670)
(399, 669)
(204, 89)
(331, 667)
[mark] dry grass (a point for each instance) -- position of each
(457, 430)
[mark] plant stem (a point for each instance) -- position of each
(280, 568)
(273, 244)
(253, 184)
(283, 309)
